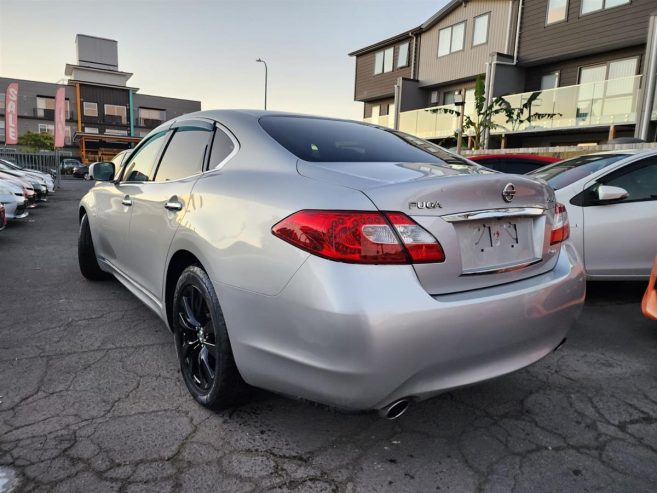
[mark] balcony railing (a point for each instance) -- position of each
(610, 102)
(383, 120)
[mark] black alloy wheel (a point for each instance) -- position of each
(204, 351)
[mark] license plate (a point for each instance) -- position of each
(495, 243)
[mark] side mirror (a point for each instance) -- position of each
(101, 171)
(606, 192)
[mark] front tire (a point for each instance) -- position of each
(87, 255)
(204, 352)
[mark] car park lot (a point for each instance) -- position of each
(92, 400)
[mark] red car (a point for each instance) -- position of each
(3, 217)
(513, 163)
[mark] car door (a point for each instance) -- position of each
(114, 202)
(159, 206)
(620, 236)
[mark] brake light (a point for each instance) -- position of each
(560, 225)
(360, 237)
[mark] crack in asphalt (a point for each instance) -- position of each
(91, 400)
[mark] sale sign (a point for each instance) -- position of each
(60, 117)
(11, 114)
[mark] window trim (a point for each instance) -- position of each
(474, 25)
(84, 108)
(451, 28)
(547, 11)
(408, 54)
(602, 9)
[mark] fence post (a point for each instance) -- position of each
(58, 169)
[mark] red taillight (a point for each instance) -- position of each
(560, 225)
(360, 237)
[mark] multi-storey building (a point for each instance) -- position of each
(103, 114)
(586, 59)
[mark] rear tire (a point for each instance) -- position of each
(204, 352)
(87, 255)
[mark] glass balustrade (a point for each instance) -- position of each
(610, 102)
(382, 120)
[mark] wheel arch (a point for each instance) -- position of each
(179, 261)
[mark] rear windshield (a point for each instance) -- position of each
(564, 173)
(331, 141)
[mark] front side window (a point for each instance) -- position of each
(480, 30)
(90, 109)
(451, 39)
(185, 154)
(402, 55)
(116, 114)
(589, 6)
(639, 180)
(141, 164)
(557, 11)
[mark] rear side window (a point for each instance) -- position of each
(185, 154)
(326, 141)
(142, 162)
(222, 146)
(564, 173)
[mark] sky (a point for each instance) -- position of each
(206, 50)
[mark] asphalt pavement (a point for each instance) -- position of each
(92, 400)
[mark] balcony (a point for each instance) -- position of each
(610, 102)
(382, 120)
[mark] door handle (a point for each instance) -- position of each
(173, 205)
(127, 200)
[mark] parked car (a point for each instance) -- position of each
(3, 217)
(611, 198)
(15, 206)
(47, 178)
(513, 163)
(38, 184)
(81, 171)
(649, 302)
(333, 260)
(68, 165)
(25, 185)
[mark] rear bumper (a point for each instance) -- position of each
(360, 337)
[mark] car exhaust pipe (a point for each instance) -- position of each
(394, 410)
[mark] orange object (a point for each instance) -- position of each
(649, 303)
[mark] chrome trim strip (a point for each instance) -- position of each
(499, 270)
(493, 213)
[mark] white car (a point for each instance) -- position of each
(611, 200)
(11, 196)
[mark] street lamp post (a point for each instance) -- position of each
(260, 60)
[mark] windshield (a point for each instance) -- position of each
(332, 141)
(564, 173)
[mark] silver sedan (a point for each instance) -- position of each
(331, 260)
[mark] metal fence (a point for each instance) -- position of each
(45, 161)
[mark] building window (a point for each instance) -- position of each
(149, 117)
(383, 61)
(550, 81)
(451, 39)
(616, 69)
(50, 129)
(480, 30)
(90, 130)
(90, 109)
(115, 131)
(557, 11)
(116, 114)
(46, 108)
(433, 97)
(2, 101)
(589, 6)
(402, 54)
(449, 97)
